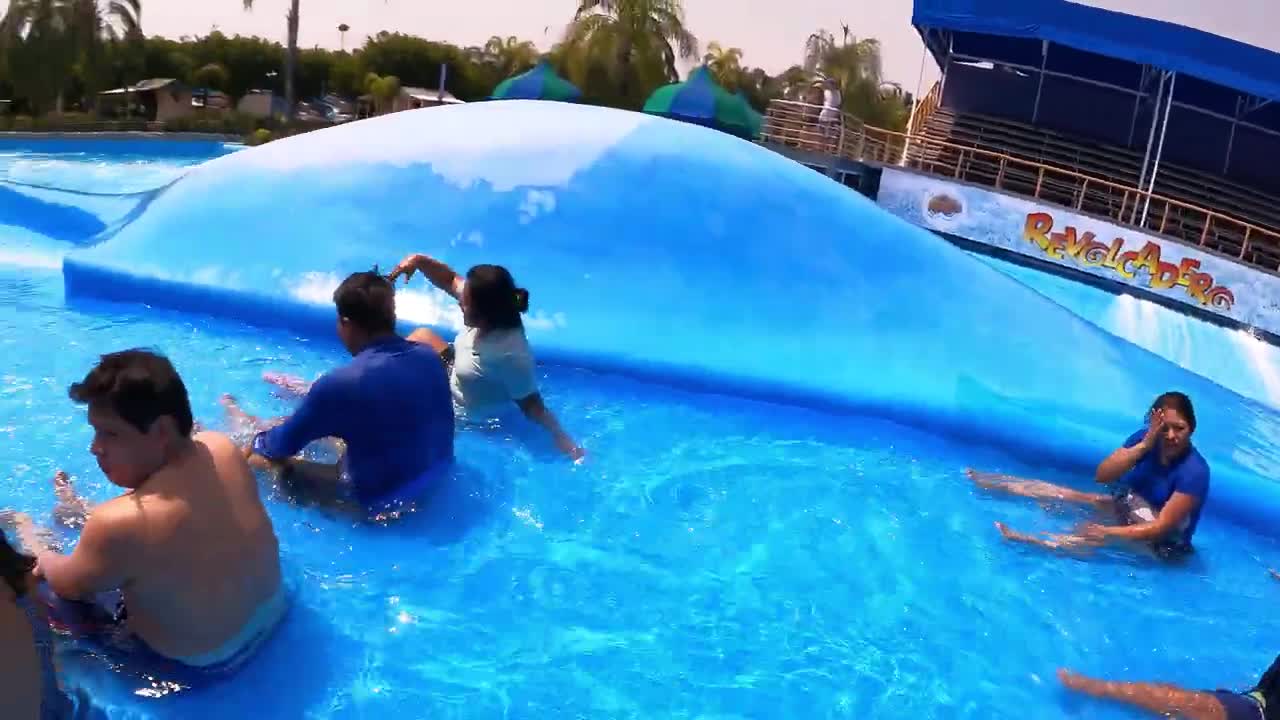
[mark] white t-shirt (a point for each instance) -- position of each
(493, 370)
(830, 105)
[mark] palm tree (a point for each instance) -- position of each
(630, 37)
(47, 42)
(342, 33)
(383, 90)
(794, 81)
(816, 47)
(510, 55)
(725, 65)
(291, 55)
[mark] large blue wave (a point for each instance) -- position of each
(670, 251)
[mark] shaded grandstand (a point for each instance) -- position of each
(1132, 119)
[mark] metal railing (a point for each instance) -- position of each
(795, 124)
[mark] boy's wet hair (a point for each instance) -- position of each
(139, 386)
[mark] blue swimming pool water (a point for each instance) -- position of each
(715, 558)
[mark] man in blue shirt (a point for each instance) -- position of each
(391, 406)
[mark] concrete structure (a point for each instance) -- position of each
(158, 99)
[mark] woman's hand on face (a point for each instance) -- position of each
(1157, 425)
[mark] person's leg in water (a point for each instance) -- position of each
(300, 480)
(1160, 698)
(71, 509)
(1049, 541)
(290, 385)
(1037, 489)
(1045, 492)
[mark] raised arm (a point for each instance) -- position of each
(1122, 460)
(436, 272)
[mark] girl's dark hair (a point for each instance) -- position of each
(1179, 402)
(495, 299)
(14, 567)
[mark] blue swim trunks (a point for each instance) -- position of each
(101, 626)
(1241, 706)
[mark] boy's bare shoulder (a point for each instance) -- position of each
(218, 443)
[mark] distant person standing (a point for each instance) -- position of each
(829, 119)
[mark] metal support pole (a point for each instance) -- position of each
(1137, 103)
(1155, 168)
(1231, 139)
(946, 65)
(1151, 138)
(1044, 64)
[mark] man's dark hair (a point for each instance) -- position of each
(138, 385)
(367, 299)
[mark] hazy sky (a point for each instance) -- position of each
(771, 33)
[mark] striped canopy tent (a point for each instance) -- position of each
(700, 100)
(540, 83)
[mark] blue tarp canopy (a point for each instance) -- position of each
(1101, 76)
(1137, 40)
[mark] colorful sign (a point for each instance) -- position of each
(1121, 254)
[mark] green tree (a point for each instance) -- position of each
(346, 74)
(212, 76)
(290, 57)
(633, 44)
(725, 65)
(52, 47)
(759, 87)
(856, 67)
(510, 55)
(417, 62)
(793, 81)
(383, 90)
(39, 51)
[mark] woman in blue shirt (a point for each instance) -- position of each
(1160, 484)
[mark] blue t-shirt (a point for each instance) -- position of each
(1156, 483)
(391, 405)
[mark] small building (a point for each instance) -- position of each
(210, 100)
(412, 98)
(157, 99)
(262, 103)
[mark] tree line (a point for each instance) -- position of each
(56, 55)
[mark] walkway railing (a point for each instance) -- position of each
(795, 124)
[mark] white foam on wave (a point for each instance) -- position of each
(31, 259)
(464, 144)
(430, 307)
